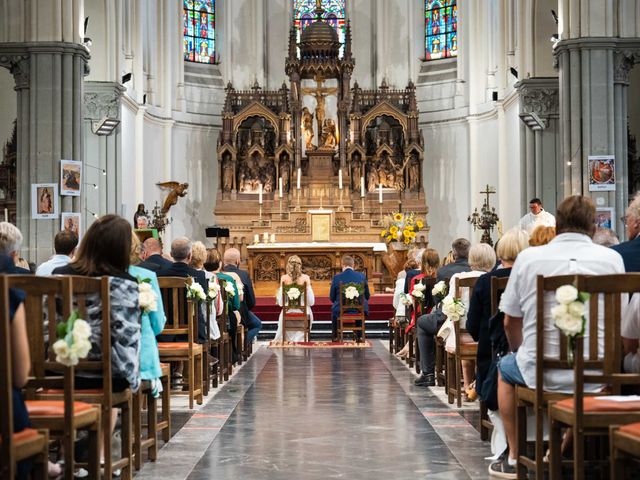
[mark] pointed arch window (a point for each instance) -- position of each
(199, 21)
(334, 13)
(441, 29)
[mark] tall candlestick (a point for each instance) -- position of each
(256, 238)
(260, 195)
(340, 179)
(298, 183)
(380, 193)
(265, 237)
(362, 187)
(280, 187)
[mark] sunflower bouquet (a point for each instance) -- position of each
(402, 227)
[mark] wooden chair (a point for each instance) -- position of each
(498, 286)
(29, 444)
(224, 343)
(414, 350)
(464, 349)
(211, 362)
(182, 320)
(592, 415)
(624, 443)
(537, 399)
(63, 418)
(351, 314)
(295, 317)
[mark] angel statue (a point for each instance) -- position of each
(177, 190)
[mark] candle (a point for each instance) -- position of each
(273, 238)
(340, 179)
(6, 215)
(280, 187)
(362, 186)
(265, 237)
(260, 195)
(298, 185)
(380, 193)
(256, 238)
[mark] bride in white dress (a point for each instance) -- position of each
(294, 275)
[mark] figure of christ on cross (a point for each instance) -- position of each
(320, 93)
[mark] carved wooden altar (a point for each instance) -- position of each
(319, 143)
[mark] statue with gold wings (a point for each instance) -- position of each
(177, 190)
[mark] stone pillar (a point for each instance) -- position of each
(103, 162)
(49, 81)
(539, 110)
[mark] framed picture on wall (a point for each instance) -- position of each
(602, 173)
(605, 218)
(70, 177)
(44, 201)
(70, 221)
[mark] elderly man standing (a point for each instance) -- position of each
(630, 250)
(570, 252)
(537, 216)
(231, 264)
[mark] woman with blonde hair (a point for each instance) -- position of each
(198, 257)
(295, 276)
(541, 235)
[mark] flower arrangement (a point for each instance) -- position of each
(402, 227)
(569, 314)
(73, 342)
(195, 291)
(231, 292)
(454, 308)
(146, 296)
(405, 299)
(440, 291)
(352, 292)
(293, 294)
(213, 291)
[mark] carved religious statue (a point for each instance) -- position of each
(356, 171)
(329, 134)
(414, 174)
(307, 128)
(284, 173)
(227, 173)
(177, 190)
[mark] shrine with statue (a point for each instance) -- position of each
(322, 160)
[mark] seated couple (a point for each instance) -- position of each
(294, 275)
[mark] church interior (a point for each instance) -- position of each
(362, 147)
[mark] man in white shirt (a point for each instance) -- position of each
(65, 246)
(571, 252)
(536, 217)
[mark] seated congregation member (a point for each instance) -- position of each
(10, 243)
(572, 251)
(348, 275)
(427, 325)
(213, 265)
(294, 275)
(416, 256)
(64, 244)
(181, 253)
(198, 257)
(249, 319)
(398, 290)
(482, 259)
(541, 235)
(605, 237)
(428, 269)
(152, 253)
(630, 250)
(478, 325)
(152, 321)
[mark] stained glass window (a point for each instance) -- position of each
(441, 29)
(200, 31)
(304, 14)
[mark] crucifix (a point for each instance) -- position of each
(320, 93)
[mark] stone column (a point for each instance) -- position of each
(49, 81)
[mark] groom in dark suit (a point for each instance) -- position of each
(347, 275)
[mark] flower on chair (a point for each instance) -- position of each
(73, 342)
(195, 292)
(146, 296)
(454, 308)
(569, 314)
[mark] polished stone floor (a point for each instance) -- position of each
(323, 413)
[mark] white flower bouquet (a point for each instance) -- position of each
(228, 288)
(195, 292)
(569, 314)
(146, 296)
(213, 291)
(454, 308)
(440, 291)
(405, 299)
(352, 293)
(73, 342)
(293, 295)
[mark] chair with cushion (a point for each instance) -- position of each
(592, 415)
(624, 442)
(294, 312)
(29, 444)
(63, 418)
(351, 315)
(465, 348)
(182, 320)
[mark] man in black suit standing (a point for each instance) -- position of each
(630, 250)
(231, 264)
(152, 252)
(181, 253)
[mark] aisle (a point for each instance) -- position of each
(318, 414)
